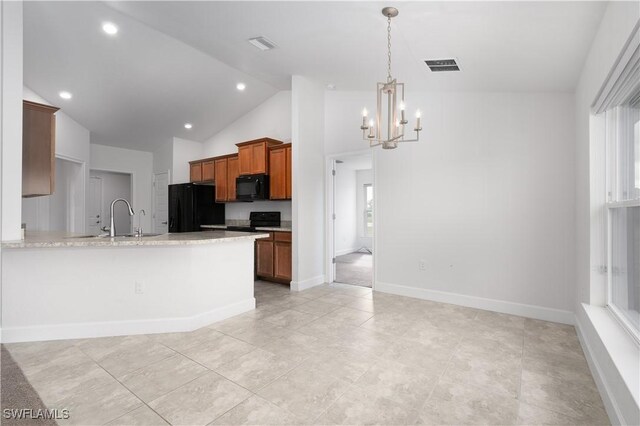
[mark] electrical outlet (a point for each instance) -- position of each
(139, 287)
(422, 265)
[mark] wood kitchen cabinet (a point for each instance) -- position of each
(280, 172)
(253, 156)
(226, 172)
(273, 257)
(38, 149)
(201, 171)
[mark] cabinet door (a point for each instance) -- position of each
(245, 158)
(264, 258)
(232, 174)
(38, 149)
(282, 260)
(259, 158)
(277, 174)
(208, 171)
(288, 174)
(195, 172)
(220, 170)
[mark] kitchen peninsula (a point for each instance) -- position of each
(64, 286)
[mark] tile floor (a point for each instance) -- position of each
(355, 268)
(329, 355)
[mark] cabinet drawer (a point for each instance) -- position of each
(282, 236)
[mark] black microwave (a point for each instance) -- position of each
(252, 187)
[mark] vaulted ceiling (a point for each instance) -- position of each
(177, 62)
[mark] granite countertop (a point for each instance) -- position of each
(37, 239)
(258, 228)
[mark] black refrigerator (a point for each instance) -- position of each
(193, 205)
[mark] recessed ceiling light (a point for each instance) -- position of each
(188, 125)
(241, 86)
(110, 28)
(65, 95)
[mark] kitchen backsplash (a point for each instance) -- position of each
(240, 211)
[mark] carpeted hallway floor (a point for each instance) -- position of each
(355, 268)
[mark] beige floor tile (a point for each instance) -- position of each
(500, 376)
(350, 316)
(256, 369)
(574, 399)
(405, 385)
(316, 308)
(200, 401)
(499, 320)
(183, 341)
(389, 322)
(97, 406)
(291, 319)
(339, 362)
(336, 298)
(433, 358)
(219, 352)
(260, 333)
(162, 377)
(367, 305)
(357, 407)
(532, 415)
(129, 359)
(326, 328)
(306, 393)
(143, 416)
(296, 346)
(35, 354)
(99, 347)
(368, 343)
(433, 336)
(461, 404)
(234, 324)
(256, 411)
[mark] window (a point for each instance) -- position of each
(368, 210)
(623, 206)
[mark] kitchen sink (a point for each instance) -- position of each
(117, 236)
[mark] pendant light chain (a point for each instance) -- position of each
(389, 48)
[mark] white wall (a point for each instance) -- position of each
(272, 119)
(362, 177)
(11, 110)
(163, 156)
(346, 210)
(485, 198)
(139, 164)
(116, 185)
(184, 151)
(308, 118)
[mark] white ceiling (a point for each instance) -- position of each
(135, 90)
(177, 62)
(501, 46)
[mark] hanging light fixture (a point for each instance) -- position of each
(394, 125)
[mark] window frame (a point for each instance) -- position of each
(367, 210)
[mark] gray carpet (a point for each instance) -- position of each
(355, 268)
(17, 393)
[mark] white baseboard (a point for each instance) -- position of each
(346, 251)
(308, 283)
(612, 356)
(121, 328)
(502, 306)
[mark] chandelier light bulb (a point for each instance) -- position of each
(402, 106)
(418, 114)
(365, 112)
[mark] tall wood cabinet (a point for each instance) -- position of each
(253, 156)
(38, 149)
(273, 257)
(226, 172)
(280, 172)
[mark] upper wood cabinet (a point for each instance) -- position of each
(280, 172)
(226, 172)
(201, 171)
(38, 149)
(195, 171)
(253, 156)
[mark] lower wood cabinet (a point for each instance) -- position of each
(273, 257)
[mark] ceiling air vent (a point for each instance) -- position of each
(262, 43)
(439, 65)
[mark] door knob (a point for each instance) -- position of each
(164, 223)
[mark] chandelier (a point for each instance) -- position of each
(393, 107)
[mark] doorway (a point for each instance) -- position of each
(352, 219)
(104, 187)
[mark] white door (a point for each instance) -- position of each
(94, 219)
(161, 203)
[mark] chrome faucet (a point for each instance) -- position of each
(138, 230)
(112, 224)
